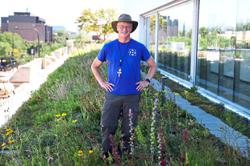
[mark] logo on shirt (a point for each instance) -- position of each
(132, 52)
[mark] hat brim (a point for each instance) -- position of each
(134, 25)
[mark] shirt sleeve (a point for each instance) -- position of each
(145, 54)
(102, 54)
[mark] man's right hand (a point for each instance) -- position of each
(106, 85)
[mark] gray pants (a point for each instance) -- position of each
(115, 107)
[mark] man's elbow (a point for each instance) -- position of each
(92, 66)
(95, 65)
(153, 66)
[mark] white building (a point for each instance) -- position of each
(203, 31)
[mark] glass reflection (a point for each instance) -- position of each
(150, 34)
(175, 40)
(224, 49)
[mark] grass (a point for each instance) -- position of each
(60, 125)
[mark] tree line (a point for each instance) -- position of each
(12, 44)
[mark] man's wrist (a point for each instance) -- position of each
(148, 80)
(101, 82)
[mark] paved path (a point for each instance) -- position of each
(216, 127)
(24, 91)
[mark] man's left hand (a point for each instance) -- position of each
(141, 85)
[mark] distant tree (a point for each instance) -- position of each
(189, 33)
(5, 49)
(203, 41)
(60, 37)
(212, 38)
(81, 39)
(243, 26)
(105, 18)
(203, 32)
(11, 43)
(152, 24)
(97, 21)
(246, 26)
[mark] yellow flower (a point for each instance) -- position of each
(58, 115)
(91, 151)
(80, 153)
(11, 141)
(8, 131)
(3, 145)
(74, 121)
(64, 114)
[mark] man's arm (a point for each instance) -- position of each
(152, 68)
(151, 71)
(95, 67)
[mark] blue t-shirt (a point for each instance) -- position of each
(131, 54)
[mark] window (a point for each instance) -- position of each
(223, 62)
(174, 40)
(150, 34)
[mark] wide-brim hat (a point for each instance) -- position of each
(124, 18)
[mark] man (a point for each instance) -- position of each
(124, 84)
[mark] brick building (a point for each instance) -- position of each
(31, 28)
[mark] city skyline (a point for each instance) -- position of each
(64, 15)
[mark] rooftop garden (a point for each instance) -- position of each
(60, 125)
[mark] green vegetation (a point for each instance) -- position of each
(98, 21)
(12, 44)
(60, 125)
(60, 37)
(177, 61)
(235, 121)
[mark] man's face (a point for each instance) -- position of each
(124, 29)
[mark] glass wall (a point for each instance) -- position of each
(223, 51)
(174, 39)
(223, 57)
(150, 34)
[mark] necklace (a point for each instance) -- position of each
(119, 72)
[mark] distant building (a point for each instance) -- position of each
(172, 27)
(31, 28)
